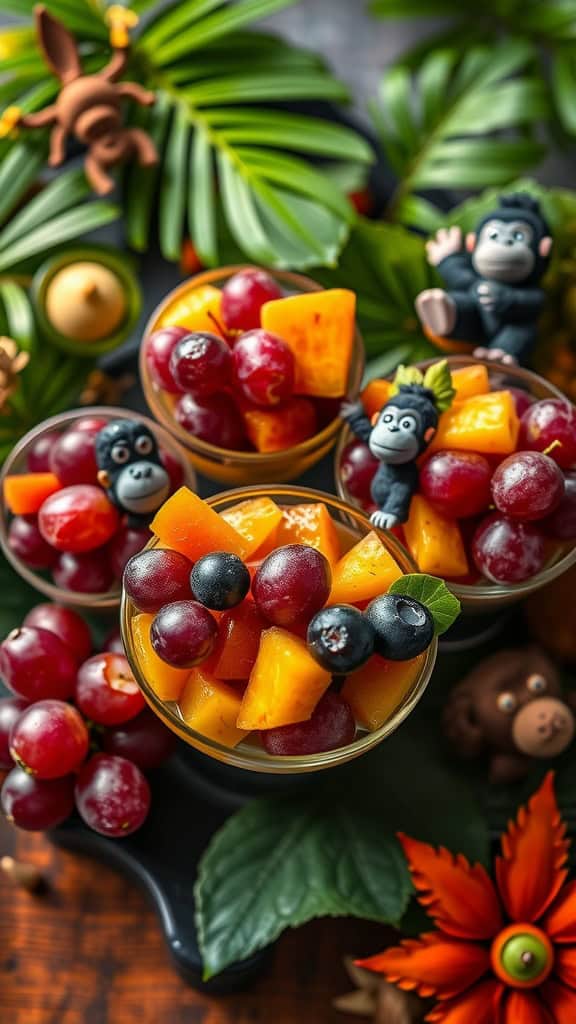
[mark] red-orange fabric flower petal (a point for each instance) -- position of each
(459, 897)
(523, 1008)
(531, 870)
(433, 965)
(560, 1002)
(565, 966)
(478, 1006)
(560, 920)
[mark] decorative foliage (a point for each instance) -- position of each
(433, 592)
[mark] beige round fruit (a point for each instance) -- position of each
(85, 301)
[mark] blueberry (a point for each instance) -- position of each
(220, 580)
(340, 638)
(403, 627)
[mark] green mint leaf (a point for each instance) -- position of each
(433, 592)
(277, 864)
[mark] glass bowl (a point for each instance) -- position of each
(238, 468)
(249, 756)
(17, 463)
(484, 597)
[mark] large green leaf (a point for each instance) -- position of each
(64, 227)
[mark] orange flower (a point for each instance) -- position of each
(503, 952)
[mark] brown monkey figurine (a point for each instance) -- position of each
(88, 106)
(510, 708)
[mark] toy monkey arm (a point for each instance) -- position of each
(115, 66)
(392, 490)
(40, 119)
(133, 91)
(57, 146)
(354, 415)
(456, 271)
(521, 304)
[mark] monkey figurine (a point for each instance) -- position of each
(398, 434)
(130, 469)
(493, 298)
(511, 708)
(88, 106)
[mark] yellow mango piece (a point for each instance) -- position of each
(188, 524)
(375, 395)
(434, 541)
(488, 424)
(255, 520)
(211, 708)
(199, 310)
(470, 380)
(365, 571)
(319, 328)
(310, 524)
(377, 689)
(166, 681)
(285, 684)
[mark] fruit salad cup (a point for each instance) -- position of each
(250, 686)
(272, 404)
(55, 463)
(468, 522)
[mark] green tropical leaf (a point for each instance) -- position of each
(64, 227)
(63, 193)
(432, 592)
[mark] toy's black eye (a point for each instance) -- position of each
(144, 445)
(518, 236)
(388, 418)
(536, 683)
(507, 703)
(407, 423)
(120, 454)
(494, 234)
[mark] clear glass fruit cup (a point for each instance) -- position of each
(238, 468)
(17, 463)
(249, 755)
(484, 598)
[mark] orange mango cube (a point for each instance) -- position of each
(377, 689)
(488, 424)
(365, 571)
(375, 395)
(255, 520)
(238, 643)
(198, 310)
(188, 524)
(286, 425)
(211, 708)
(25, 493)
(310, 524)
(166, 681)
(470, 380)
(434, 541)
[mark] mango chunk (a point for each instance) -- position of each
(285, 684)
(310, 524)
(488, 424)
(188, 524)
(286, 425)
(365, 571)
(255, 520)
(211, 708)
(375, 395)
(25, 493)
(434, 541)
(319, 328)
(198, 310)
(166, 681)
(377, 689)
(238, 642)
(470, 380)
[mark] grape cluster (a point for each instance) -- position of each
(76, 733)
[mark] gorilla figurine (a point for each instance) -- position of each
(131, 470)
(493, 298)
(510, 709)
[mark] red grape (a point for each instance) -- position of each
(561, 525)
(49, 739)
(184, 633)
(144, 740)
(201, 363)
(156, 577)
(243, 297)
(457, 483)
(78, 518)
(38, 459)
(158, 348)
(506, 551)
(124, 545)
(66, 624)
(112, 795)
(214, 419)
(91, 424)
(527, 485)
(37, 665)
(332, 725)
(357, 469)
(292, 584)
(552, 419)
(88, 573)
(27, 543)
(173, 467)
(73, 458)
(263, 367)
(10, 710)
(113, 642)
(36, 804)
(522, 400)
(106, 691)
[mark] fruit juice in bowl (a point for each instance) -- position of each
(247, 368)
(493, 513)
(59, 529)
(243, 622)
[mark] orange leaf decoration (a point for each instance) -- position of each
(478, 1006)
(432, 965)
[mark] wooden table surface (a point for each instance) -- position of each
(90, 951)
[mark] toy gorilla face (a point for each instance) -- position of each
(130, 467)
(397, 435)
(505, 251)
